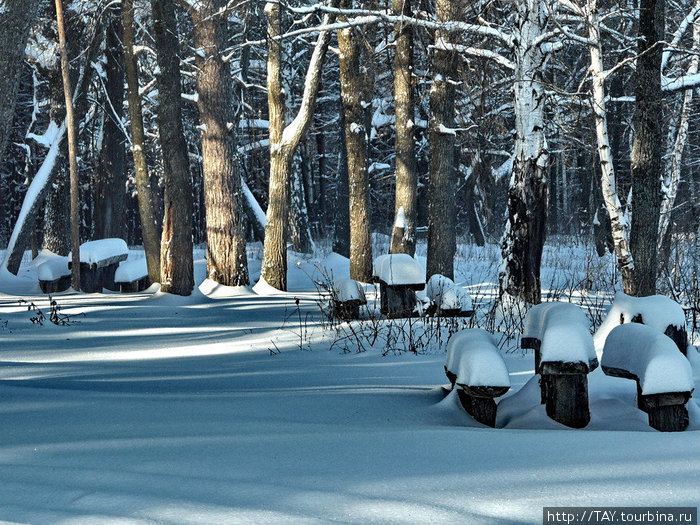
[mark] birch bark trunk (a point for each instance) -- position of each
(525, 232)
(619, 222)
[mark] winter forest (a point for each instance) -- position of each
(348, 261)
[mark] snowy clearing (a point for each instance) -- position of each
(224, 407)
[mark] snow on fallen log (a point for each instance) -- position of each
(32, 199)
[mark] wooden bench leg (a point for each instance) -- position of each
(483, 409)
(567, 399)
(670, 418)
(90, 278)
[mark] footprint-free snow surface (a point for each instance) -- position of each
(231, 406)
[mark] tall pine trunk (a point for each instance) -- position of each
(223, 199)
(110, 187)
(442, 190)
(177, 274)
(403, 239)
(647, 147)
(355, 103)
(525, 232)
(150, 226)
(15, 21)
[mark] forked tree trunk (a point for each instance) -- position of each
(647, 147)
(354, 97)
(525, 232)
(177, 275)
(442, 190)
(150, 229)
(223, 197)
(403, 240)
(110, 188)
(72, 150)
(284, 141)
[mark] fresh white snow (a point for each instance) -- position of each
(157, 409)
(348, 290)
(50, 266)
(398, 269)
(92, 252)
(650, 356)
(446, 295)
(472, 355)
(658, 312)
(131, 270)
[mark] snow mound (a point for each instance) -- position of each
(446, 295)
(650, 356)
(473, 357)
(214, 290)
(398, 269)
(563, 331)
(92, 252)
(657, 311)
(348, 290)
(129, 271)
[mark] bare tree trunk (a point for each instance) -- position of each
(72, 150)
(110, 187)
(223, 199)
(150, 228)
(403, 240)
(647, 147)
(525, 232)
(353, 94)
(15, 21)
(341, 217)
(177, 276)
(619, 223)
(672, 175)
(442, 242)
(283, 143)
(299, 228)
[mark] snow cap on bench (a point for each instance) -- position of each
(130, 271)
(399, 269)
(563, 331)
(640, 352)
(472, 355)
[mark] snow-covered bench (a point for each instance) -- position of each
(475, 366)
(657, 311)
(399, 276)
(346, 298)
(564, 355)
(447, 299)
(132, 276)
(54, 274)
(98, 263)
(664, 377)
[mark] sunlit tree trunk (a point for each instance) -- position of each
(150, 226)
(223, 200)
(177, 274)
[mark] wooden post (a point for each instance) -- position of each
(567, 399)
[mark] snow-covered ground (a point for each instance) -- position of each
(233, 406)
